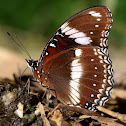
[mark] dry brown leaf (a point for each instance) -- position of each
(57, 117)
(8, 98)
(41, 110)
(19, 111)
(65, 123)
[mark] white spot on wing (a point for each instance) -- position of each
(96, 101)
(94, 85)
(96, 26)
(74, 91)
(95, 75)
(65, 29)
(78, 52)
(92, 60)
(76, 35)
(72, 31)
(55, 39)
(52, 45)
(91, 32)
(80, 36)
(90, 40)
(109, 88)
(104, 80)
(104, 99)
(95, 14)
(86, 107)
(101, 90)
(87, 104)
(47, 53)
(92, 95)
(103, 86)
(76, 73)
(76, 69)
(98, 19)
(64, 25)
(99, 96)
(101, 103)
(96, 68)
(83, 41)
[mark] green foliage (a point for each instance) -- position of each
(43, 16)
(120, 11)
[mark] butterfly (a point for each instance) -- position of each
(75, 63)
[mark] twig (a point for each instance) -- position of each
(121, 117)
(74, 109)
(79, 110)
(50, 113)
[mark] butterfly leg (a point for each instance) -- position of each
(48, 88)
(34, 80)
(28, 82)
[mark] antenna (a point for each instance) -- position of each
(18, 42)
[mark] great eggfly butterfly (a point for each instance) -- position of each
(75, 62)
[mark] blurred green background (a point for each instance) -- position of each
(39, 19)
(35, 21)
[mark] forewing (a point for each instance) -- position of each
(88, 27)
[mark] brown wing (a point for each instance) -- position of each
(81, 76)
(75, 62)
(88, 27)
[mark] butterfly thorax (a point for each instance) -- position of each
(37, 71)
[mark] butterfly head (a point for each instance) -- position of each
(32, 64)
